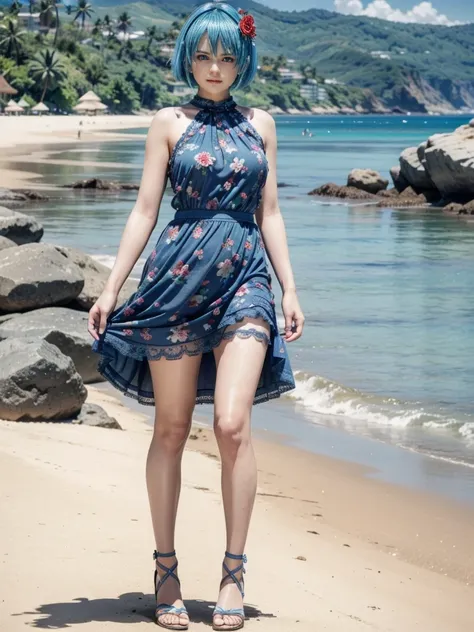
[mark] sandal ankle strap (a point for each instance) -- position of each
(156, 554)
(232, 556)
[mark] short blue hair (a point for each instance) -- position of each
(220, 22)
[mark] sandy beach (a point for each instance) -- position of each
(24, 138)
(330, 546)
(77, 538)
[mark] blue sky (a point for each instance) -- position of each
(462, 10)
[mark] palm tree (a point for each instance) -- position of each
(15, 7)
(11, 37)
(83, 10)
(124, 23)
(152, 34)
(97, 28)
(48, 69)
(46, 13)
(46, 9)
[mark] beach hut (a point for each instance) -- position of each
(40, 108)
(91, 103)
(5, 88)
(13, 108)
(90, 106)
(89, 96)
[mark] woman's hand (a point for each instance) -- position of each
(99, 312)
(294, 319)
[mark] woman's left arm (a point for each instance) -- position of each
(273, 231)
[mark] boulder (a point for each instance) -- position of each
(450, 162)
(367, 180)
(471, 123)
(413, 171)
(20, 228)
(33, 196)
(94, 415)
(38, 382)
(6, 195)
(6, 243)
(399, 181)
(408, 198)
(60, 326)
(95, 276)
(460, 209)
(37, 275)
(102, 185)
(335, 190)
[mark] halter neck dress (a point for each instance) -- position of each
(208, 269)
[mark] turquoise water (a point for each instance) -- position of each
(388, 294)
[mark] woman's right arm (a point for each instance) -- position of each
(142, 219)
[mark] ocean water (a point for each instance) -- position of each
(388, 294)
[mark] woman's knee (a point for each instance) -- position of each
(171, 431)
(232, 430)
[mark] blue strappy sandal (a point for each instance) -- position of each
(234, 612)
(165, 608)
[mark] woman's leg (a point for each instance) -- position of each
(239, 364)
(174, 388)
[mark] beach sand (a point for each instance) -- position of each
(330, 547)
(77, 537)
(23, 138)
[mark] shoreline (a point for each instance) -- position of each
(76, 496)
(32, 139)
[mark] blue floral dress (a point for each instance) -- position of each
(208, 269)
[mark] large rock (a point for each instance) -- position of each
(450, 162)
(399, 181)
(93, 415)
(37, 275)
(413, 171)
(6, 243)
(367, 180)
(95, 277)
(6, 195)
(66, 328)
(37, 382)
(335, 190)
(20, 228)
(102, 185)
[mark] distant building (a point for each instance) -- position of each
(287, 75)
(313, 92)
(333, 82)
(29, 21)
(381, 54)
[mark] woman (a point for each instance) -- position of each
(201, 327)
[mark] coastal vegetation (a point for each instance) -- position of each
(55, 53)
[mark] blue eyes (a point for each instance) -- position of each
(202, 57)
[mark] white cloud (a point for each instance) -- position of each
(423, 13)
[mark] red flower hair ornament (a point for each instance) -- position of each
(247, 24)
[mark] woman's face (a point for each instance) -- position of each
(214, 74)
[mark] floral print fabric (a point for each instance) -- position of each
(208, 269)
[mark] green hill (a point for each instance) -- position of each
(430, 67)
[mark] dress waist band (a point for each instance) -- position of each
(218, 214)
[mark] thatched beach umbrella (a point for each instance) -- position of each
(5, 87)
(89, 96)
(40, 107)
(90, 102)
(13, 108)
(90, 106)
